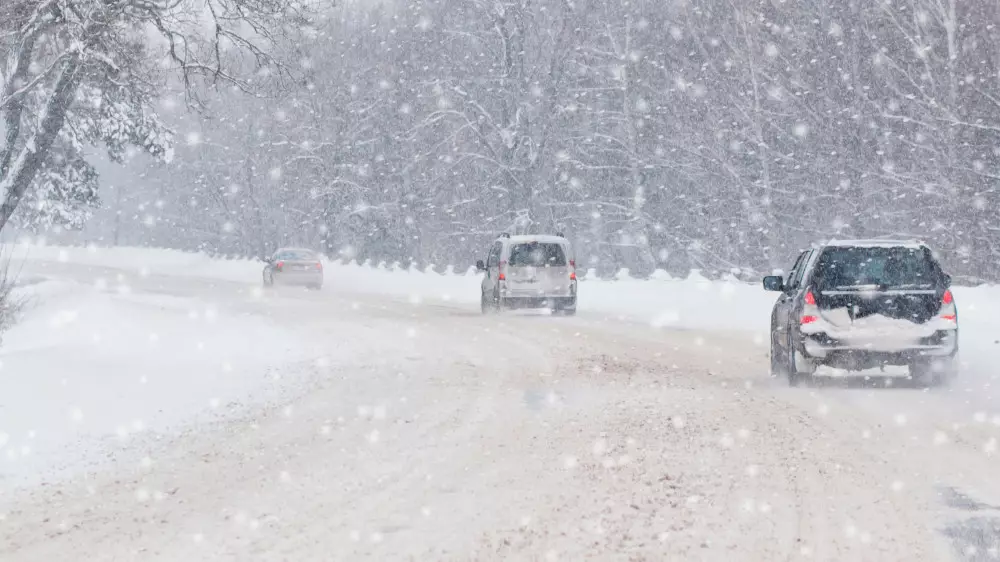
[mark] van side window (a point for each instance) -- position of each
(494, 257)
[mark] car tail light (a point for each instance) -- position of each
(319, 265)
(948, 311)
(810, 312)
(279, 265)
(502, 276)
(572, 263)
(572, 276)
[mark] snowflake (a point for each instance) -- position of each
(771, 50)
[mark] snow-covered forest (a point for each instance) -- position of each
(677, 135)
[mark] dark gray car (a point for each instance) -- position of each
(294, 266)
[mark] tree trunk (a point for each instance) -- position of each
(31, 158)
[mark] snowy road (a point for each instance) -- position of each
(400, 430)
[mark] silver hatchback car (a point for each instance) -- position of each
(294, 266)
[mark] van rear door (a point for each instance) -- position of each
(538, 269)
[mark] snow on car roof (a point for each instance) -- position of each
(523, 238)
(878, 243)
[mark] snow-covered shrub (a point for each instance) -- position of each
(10, 303)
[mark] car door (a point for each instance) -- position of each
(492, 269)
(786, 301)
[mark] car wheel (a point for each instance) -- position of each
(799, 369)
(268, 280)
(777, 365)
(933, 372)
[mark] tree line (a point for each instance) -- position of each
(680, 135)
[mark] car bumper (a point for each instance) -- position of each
(540, 302)
(820, 346)
(296, 278)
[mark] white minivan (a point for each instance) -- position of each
(529, 271)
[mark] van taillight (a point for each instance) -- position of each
(809, 319)
(572, 276)
(948, 298)
(810, 298)
(279, 265)
(319, 265)
(502, 276)
(572, 263)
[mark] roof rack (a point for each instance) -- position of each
(504, 235)
(560, 235)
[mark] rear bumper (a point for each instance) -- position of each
(540, 302)
(838, 353)
(299, 278)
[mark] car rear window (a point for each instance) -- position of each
(296, 255)
(856, 267)
(537, 254)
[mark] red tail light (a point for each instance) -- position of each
(319, 265)
(809, 319)
(810, 298)
(951, 317)
(948, 298)
(279, 265)
(572, 276)
(572, 263)
(502, 276)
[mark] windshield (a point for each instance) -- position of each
(537, 254)
(854, 267)
(295, 255)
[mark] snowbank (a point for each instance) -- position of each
(691, 303)
(89, 367)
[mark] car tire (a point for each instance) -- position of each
(268, 281)
(777, 365)
(933, 372)
(314, 287)
(797, 376)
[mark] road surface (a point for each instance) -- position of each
(427, 431)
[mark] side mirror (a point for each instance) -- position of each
(480, 266)
(774, 283)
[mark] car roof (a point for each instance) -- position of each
(544, 238)
(877, 243)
